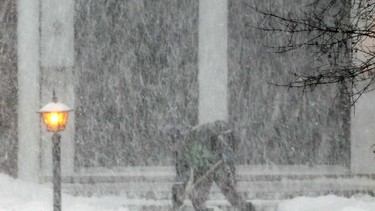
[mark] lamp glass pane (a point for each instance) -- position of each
(55, 121)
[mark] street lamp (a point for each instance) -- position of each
(55, 116)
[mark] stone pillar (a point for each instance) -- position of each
(57, 59)
(28, 89)
(213, 60)
(363, 135)
(363, 123)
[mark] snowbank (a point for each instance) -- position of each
(329, 203)
(16, 195)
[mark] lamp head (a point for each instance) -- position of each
(55, 116)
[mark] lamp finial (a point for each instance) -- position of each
(54, 98)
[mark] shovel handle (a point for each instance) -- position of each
(202, 178)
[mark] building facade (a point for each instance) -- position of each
(130, 67)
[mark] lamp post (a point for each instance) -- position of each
(55, 116)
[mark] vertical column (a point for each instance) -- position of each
(363, 120)
(213, 64)
(57, 59)
(363, 135)
(28, 89)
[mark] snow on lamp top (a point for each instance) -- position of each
(55, 107)
(55, 115)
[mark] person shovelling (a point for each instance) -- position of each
(207, 150)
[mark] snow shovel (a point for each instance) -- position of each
(189, 189)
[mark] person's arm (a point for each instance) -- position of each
(226, 146)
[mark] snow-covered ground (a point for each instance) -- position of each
(329, 203)
(16, 195)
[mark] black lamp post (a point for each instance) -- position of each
(55, 116)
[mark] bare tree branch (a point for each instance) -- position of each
(338, 31)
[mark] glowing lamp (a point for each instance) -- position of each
(55, 116)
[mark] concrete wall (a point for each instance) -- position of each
(46, 62)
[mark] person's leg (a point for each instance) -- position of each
(177, 192)
(182, 178)
(200, 194)
(225, 180)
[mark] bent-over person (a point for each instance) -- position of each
(199, 149)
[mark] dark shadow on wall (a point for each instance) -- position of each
(8, 87)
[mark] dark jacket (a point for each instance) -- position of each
(203, 146)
